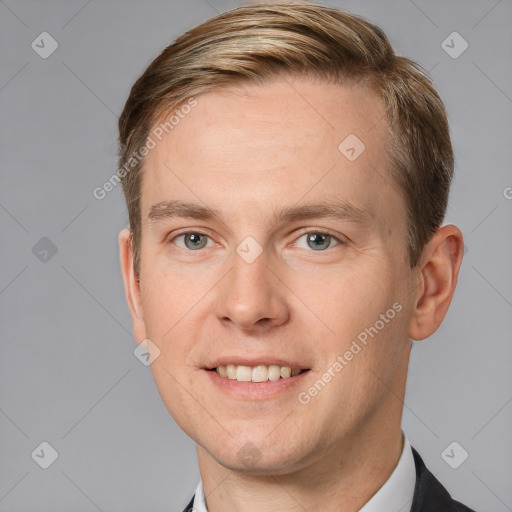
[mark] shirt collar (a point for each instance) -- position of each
(394, 496)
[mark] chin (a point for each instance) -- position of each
(257, 459)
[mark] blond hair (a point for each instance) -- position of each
(257, 42)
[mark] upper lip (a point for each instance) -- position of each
(255, 361)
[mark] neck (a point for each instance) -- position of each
(342, 479)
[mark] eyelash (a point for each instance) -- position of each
(309, 231)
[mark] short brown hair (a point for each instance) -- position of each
(257, 42)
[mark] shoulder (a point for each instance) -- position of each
(429, 493)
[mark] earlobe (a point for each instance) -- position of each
(439, 271)
(131, 284)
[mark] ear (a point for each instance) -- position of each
(131, 285)
(439, 271)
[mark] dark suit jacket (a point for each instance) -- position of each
(429, 494)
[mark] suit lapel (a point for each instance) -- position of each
(429, 494)
(190, 506)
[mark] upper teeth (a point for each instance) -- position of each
(260, 373)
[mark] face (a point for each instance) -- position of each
(272, 237)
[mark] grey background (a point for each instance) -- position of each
(68, 374)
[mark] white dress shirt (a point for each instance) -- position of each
(394, 496)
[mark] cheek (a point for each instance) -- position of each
(177, 393)
(349, 298)
(167, 297)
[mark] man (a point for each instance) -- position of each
(286, 176)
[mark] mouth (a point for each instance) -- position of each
(258, 373)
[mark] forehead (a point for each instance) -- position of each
(293, 140)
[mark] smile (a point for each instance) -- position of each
(259, 373)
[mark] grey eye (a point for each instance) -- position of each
(318, 241)
(194, 241)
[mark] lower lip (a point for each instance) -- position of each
(255, 390)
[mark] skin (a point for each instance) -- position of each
(249, 151)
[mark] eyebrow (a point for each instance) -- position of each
(341, 210)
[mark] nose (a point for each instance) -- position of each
(253, 296)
